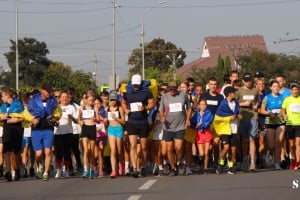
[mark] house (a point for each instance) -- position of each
(232, 46)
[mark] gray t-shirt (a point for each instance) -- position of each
(175, 108)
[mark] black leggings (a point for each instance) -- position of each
(63, 145)
(75, 149)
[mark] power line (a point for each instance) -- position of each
(59, 3)
(56, 12)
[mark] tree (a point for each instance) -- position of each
(227, 65)
(32, 61)
(220, 68)
(156, 56)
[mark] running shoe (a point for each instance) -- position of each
(188, 171)
(58, 173)
(231, 171)
(205, 172)
(135, 173)
(160, 173)
(181, 171)
(127, 171)
(277, 166)
(1, 171)
(66, 174)
(172, 172)
(219, 169)
(121, 170)
(155, 171)
(31, 172)
(39, 171)
(252, 167)
(25, 173)
(85, 174)
(297, 166)
(143, 172)
(101, 174)
(92, 174)
(45, 176)
(8, 176)
(113, 174)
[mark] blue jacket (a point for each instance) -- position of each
(207, 119)
(144, 86)
(36, 108)
(224, 110)
(16, 106)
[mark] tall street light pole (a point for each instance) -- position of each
(143, 34)
(17, 46)
(174, 60)
(114, 47)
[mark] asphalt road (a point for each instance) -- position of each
(265, 185)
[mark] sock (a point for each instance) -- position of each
(126, 164)
(92, 167)
(85, 168)
(230, 164)
(160, 167)
(222, 161)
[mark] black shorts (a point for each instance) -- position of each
(169, 136)
(273, 126)
(140, 129)
(89, 131)
(292, 132)
(12, 137)
(229, 139)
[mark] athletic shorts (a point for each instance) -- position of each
(89, 131)
(190, 135)
(169, 136)
(204, 136)
(42, 139)
(248, 129)
(229, 139)
(116, 131)
(273, 126)
(12, 138)
(140, 129)
(292, 132)
(26, 142)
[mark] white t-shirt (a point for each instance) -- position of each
(65, 123)
(76, 127)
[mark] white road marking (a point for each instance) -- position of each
(134, 197)
(147, 185)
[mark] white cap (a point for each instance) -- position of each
(136, 79)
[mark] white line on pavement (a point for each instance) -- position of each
(147, 185)
(134, 197)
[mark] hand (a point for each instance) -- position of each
(233, 117)
(5, 116)
(35, 121)
(163, 120)
(188, 123)
(198, 124)
(12, 120)
(141, 108)
(272, 115)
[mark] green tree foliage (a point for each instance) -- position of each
(227, 65)
(33, 61)
(202, 76)
(156, 53)
(220, 68)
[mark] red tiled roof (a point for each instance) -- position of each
(231, 46)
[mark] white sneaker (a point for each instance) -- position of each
(40, 171)
(66, 174)
(188, 171)
(277, 166)
(58, 173)
(127, 171)
(252, 167)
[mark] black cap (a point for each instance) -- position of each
(258, 75)
(294, 85)
(228, 90)
(247, 77)
(47, 87)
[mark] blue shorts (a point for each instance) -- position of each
(26, 142)
(116, 131)
(169, 136)
(248, 129)
(42, 139)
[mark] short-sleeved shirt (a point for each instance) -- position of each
(212, 101)
(135, 99)
(175, 108)
(273, 104)
(244, 94)
(292, 106)
(65, 123)
(286, 92)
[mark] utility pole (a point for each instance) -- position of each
(114, 47)
(17, 46)
(96, 69)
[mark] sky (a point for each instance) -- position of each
(77, 30)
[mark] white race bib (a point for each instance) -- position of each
(27, 132)
(175, 107)
(1, 131)
(134, 107)
(234, 126)
(295, 107)
(212, 102)
(248, 97)
(276, 111)
(88, 114)
(109, 115)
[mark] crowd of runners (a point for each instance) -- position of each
(139, 130)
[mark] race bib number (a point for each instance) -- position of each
(175, 107)
(234, 126)
(116, 113)
(27, 132)
(134, 107)
(276, 111)
(212, 102)
(88, 114)
(295, 108)
(67, 111)
(248, 97)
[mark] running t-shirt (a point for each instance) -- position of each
(286, 92)
(244, 94)
(212, 101)
(292, 106)
(273, 104)
(134, 100)
(65, 123)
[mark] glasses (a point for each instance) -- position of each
(56, 96)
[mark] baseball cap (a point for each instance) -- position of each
(294, 85)
(47, 87)
(258, 75)
(136, 79)
(247, 77)
(173, 85)
(229, 90)
(113, 95)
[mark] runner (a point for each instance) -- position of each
(137, 100)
